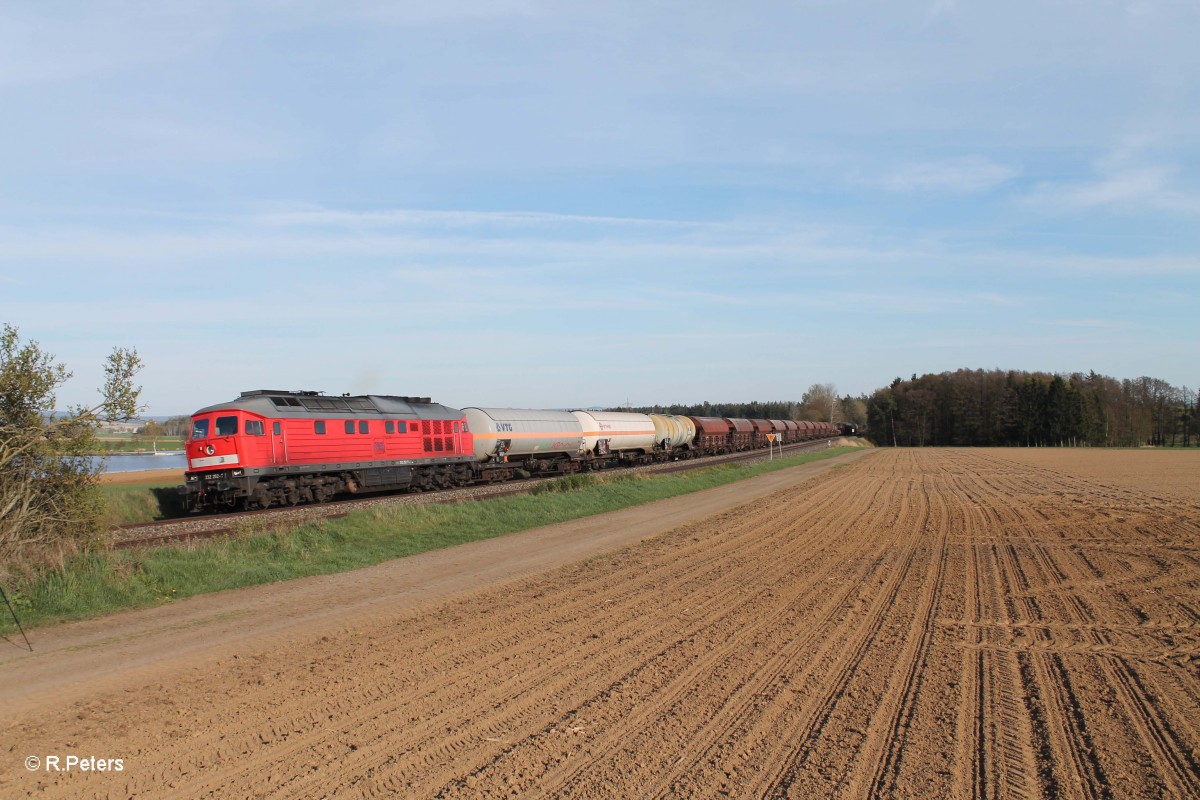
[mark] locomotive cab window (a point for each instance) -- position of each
(254, 427)
(200, 429)
(276, 428)
(227, 426)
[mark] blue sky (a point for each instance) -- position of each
(577, 204)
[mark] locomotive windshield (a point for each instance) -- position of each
(226, 426)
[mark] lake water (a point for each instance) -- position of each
(118, 463)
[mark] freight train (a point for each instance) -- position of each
(281, 448)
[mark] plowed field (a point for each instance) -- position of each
(936, 623)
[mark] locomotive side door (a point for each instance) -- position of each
(278, 443)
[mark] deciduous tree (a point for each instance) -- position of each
(152, 430)
(49, 500)
(819, 403)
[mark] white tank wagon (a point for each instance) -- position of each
(616, 433)
(673, 433)
(535, 441)
(520, 433)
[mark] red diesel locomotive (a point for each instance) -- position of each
(282, 448)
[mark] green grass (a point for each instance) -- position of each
(102, 582)
(107, 442)
(130, 504)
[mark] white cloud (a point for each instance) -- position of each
(49, 43)
(1137, 189)
(940, 8)
(408, 218)
(1103, 324)
(966, 175)
(146, 139)
(386, 12)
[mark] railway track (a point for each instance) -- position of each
(209, 526)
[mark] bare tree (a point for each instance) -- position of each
(49, 500)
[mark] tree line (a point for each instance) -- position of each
(780, 409)
(1000, 408)
(819, 404)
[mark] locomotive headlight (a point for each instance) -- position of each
(210, 450)
(238, 473)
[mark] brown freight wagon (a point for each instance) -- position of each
(713, 435)
(743, 434)
(761, 428)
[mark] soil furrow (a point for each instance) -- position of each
(981, 624)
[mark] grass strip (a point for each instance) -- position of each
(96, 583)
(130, 504)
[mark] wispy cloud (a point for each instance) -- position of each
(940, 8)
(421, 218)
(405, 14)
(147, 139)
(1135, 189)
(45, 44)
(1103, 324)
(771, 248)
(965, 175)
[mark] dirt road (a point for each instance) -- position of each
(913, 624)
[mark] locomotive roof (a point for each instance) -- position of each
(273, 403)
